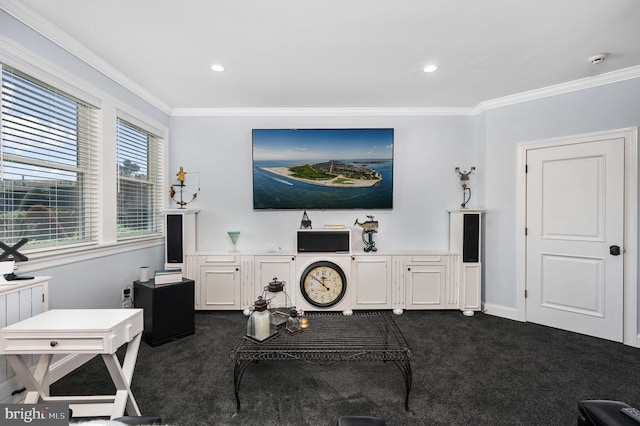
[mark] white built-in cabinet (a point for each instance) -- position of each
(371, 282)
(268, 268)
(375, 281)
(19, 301)
(430, 281)
(218, 282)
(449, 279)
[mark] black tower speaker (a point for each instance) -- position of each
(174, 238)
(470, 238)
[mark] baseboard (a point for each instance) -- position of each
(501, 311)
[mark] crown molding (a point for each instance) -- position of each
(318, 112)
(532, 95)
(42, 26)
(559, 89)
(65, 41)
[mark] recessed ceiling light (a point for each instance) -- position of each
(217, 67)
(430, 68)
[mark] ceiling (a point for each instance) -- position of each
(348, 53)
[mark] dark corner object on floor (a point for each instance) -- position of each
(606, 413)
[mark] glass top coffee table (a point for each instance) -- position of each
(331, 338)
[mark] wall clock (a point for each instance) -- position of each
(323, 284)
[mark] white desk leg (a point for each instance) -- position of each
(121, 376)
(37, 384)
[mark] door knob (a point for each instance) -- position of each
(614, 250)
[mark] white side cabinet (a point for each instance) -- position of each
(18, 302)
(429, 282)
(466, 240)
(218, 285)
(371, 280)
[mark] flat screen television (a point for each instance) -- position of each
(322, 169)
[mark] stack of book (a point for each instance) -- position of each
(168, 276)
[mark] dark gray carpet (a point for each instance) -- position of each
(479, 370)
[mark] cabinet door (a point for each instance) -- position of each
(269, 267)
(371, 279)
(37, 300)
(15, 307)
(3, 323)
(426, 286)
(471, 286)
(220, 286)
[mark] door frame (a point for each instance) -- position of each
(630, 256)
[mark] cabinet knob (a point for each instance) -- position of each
(408, 269)
(53, 343)
(293, 258)
(237, 269)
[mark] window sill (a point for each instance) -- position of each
(64, 256)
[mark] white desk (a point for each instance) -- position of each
(77, 331)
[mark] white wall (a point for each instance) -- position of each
(609, 107)
(426, 152)
(95, 283)
(98, 283)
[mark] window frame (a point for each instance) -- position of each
(76, 140)
(155, 178)
(37, 67)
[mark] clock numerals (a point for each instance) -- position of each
(323, 284)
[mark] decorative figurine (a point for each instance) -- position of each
(305, 223)
(180, 176)
(464, 182)
(369, 227)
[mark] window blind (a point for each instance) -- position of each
(139, 156)
(48, 164)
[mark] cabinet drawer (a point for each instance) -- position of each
(61, 344)
(424, 258)
(220, 260)
(72, 331)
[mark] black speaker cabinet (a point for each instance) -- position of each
(168, 310)
(323, 241)
(465, 234)
(175, 250)
(465, 239)
(471, 238)
(180, 236)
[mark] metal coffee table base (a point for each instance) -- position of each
(331, 338)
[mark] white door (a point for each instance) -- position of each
(575, 221)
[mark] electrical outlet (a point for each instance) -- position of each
(126, 294)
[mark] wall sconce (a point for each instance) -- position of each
(464, 182)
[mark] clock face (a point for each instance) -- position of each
(323, 284)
